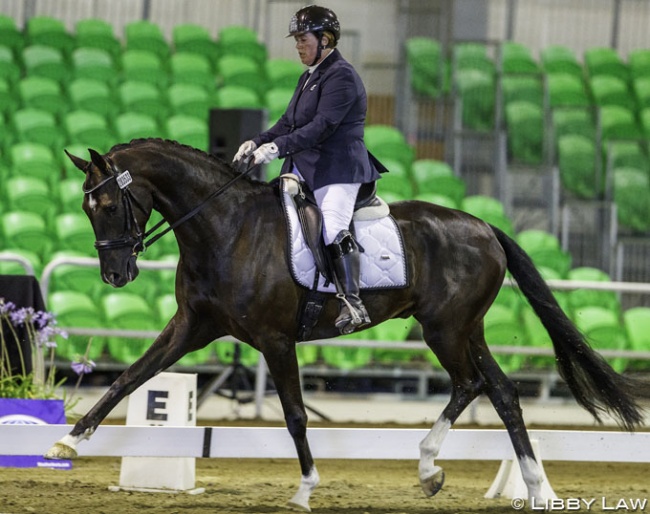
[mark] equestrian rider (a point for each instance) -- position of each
(320, 136)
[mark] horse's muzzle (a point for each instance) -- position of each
(121, 279)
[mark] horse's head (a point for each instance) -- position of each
(116, 217)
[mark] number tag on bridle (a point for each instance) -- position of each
(124, 179)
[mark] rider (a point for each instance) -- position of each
(320, 136)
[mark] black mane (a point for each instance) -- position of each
(209, 159)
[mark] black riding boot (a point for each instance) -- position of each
(346, 260)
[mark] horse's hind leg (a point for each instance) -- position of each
(505, 399)
(283, 366)
(467, 383)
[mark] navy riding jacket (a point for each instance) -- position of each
(321, 132)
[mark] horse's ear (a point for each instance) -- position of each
(77, 161)
(99, 161)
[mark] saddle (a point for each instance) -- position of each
(367, 207)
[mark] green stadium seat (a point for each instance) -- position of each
(603, 330)
(472, 56)
(147, 36)
(489, 210)
(393, 330)
(37, 126)
(579, 298)
(632, 198)
(10, 36)
(97, 33)
(30, 194)
(611, 90)
(45, 61)
(566, 90)
(70, 194)
(144, 66)
(641, 90)
(433, 176)
(525, 124)
(237, 70)
(73, 277)
(34, 160)
(237, 97)
(136, 125)
(142, 97)
(89, 128)
(188, 130)
(573, 121)
(503, 328)
(127, 311)
(638, 62)
(517, 58)
(397, 181)
(189, 68)
(577, 165)
(437, 199)
(10, 68)
(526, 88)
(27, 231)
(240, 41)
(192, 38)
(560, 59)
(636, 322)
(627, 154)
(94, 63)
(6, 139)
(49, 31)
(605, 61)
(545, 251)
(11, 267)
(476, 88)
(189, 99)
(348, 357)
(92, 95)
(536, 335)
(276, 101)
(74, 232)
(618, 123)
(424, 58)
(388, 142)
(283, 73)
(74, 309)
(225, 351)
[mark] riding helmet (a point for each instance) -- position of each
(314, 18)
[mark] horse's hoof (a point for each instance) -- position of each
(61, 451)
(433, 483)
(298, 505)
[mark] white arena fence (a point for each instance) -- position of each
(326, 443)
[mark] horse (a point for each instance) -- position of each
(233, 279)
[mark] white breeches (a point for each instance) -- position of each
(336, 202)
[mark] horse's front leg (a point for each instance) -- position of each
(169, 346)
(283, 366)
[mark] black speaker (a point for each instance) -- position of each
(229, 128)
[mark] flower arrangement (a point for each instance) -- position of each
(39, 329)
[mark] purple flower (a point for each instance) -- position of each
(83, 367)
(6, 307)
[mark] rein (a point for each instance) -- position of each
(140, 242)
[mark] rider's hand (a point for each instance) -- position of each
(266, 153)
(245, 151)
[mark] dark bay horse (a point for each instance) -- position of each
(233, 279)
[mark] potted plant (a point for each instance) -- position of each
(28, 393)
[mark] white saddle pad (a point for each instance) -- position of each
(383, 264)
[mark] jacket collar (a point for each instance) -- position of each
(324, 65)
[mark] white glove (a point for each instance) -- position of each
(266, 153)
(245, 150)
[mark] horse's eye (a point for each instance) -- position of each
(112, 209)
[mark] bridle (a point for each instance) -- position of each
(141, 241)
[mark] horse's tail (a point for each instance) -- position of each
(594, 384)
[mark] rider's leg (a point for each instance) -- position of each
(336, 202)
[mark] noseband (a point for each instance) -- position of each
(136, 243)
